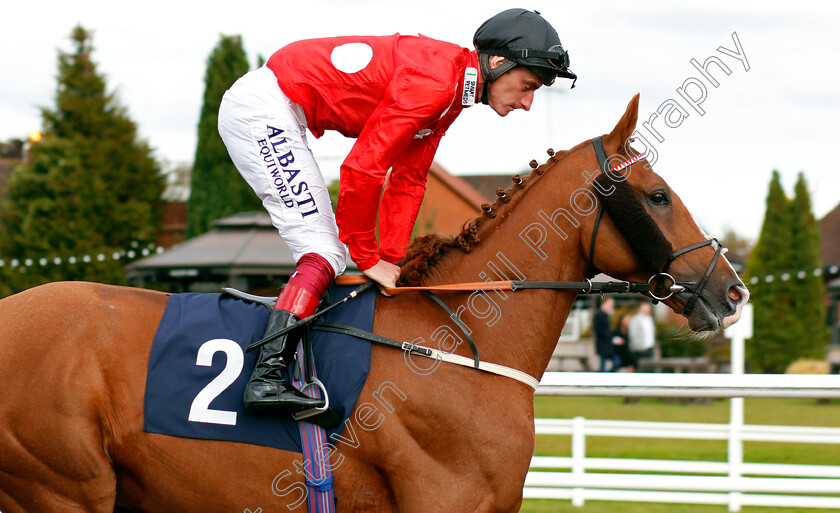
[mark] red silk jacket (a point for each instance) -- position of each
(396, 95)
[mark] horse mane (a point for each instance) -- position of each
(426, 251)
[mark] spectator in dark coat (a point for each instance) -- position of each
(604, 336)
(621, 341)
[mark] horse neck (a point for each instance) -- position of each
(522, 328)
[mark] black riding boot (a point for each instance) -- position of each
(269, 389)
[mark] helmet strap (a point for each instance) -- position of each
(491, 74)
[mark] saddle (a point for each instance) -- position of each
(199, 366)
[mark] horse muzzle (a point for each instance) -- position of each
(716, 307)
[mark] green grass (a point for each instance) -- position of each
(795, 412)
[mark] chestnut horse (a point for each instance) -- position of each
(425, 436)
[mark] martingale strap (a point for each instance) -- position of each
(460, 324)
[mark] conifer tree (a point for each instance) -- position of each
(89, 188)
(788, 318)
(767, 351)
(217, 189)
(807, 302)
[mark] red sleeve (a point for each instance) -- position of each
(412, 101)
(403, 196)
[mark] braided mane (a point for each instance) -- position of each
(425, 252)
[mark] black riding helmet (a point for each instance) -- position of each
(522, 37)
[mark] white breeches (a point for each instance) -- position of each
(265, 135)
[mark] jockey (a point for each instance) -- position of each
(396, 95)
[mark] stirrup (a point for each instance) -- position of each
(305, 414)
(266, 301)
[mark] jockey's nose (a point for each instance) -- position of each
(527, 100)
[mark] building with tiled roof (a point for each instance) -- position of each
(830, 237)
(830, 251)
(245, 251)
(487, 185)
(451, 200)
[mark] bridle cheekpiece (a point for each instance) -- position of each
(658, 281)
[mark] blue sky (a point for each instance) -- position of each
(781, 114)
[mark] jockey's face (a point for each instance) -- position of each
(513, 90)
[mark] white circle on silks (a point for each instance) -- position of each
(351, 57)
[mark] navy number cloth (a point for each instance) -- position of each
(198, 368)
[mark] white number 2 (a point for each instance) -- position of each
(200, 410)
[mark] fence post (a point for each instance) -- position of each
(736, 404)
(736, 448)
(578, 457)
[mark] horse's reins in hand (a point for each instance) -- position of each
(583, 287)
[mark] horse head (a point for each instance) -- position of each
(648, 234)
(576, 216)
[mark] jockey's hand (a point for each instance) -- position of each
(384, 273)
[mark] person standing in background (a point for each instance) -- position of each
(604, 337)
(642, 332)
(622, 344)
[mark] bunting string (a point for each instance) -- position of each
(801, 274)
(137, 250)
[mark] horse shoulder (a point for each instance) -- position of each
(458, 427)
(75, 356)
(87, 343)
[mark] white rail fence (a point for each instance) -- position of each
(689, 385)
(734, 482)
(587, 478)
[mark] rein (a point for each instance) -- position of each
(583, 287)
(656, 290)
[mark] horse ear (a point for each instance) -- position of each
(627, 123)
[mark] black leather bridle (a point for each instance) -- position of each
(659, 280)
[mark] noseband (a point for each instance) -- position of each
(658, 281)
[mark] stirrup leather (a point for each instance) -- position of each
(305, 375)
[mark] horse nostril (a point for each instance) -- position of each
(735, 293)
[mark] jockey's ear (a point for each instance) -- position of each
(496, 60)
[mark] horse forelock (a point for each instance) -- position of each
(633, 222)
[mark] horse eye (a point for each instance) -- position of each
(658, 198)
